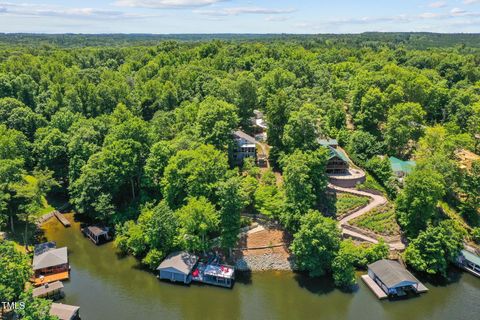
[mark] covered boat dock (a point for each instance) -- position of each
(52, 290)
(470, 262)
(97, 234)
(391, 278)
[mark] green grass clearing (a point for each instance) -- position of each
(380, 220)
(371, 184)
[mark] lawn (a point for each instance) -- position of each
(47, 207)
(18, 236)
(349, 202)
(371, 184)
(380, 220)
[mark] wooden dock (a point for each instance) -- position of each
(51, 278)
(421, 288)
(62, 219)
(374, 287)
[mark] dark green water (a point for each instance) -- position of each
(108, 287)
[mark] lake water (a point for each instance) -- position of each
(109, 287)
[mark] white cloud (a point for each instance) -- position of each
(235, 11)
(429, 15)
(165, 4)
(471, 1)
(458, 12)
(438, 4)
(276, 18)
(44, 10)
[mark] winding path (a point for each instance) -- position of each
(377, 201)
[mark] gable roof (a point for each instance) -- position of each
(391, 273)
(181, 261)
(336, 153)
(471, 257)
(243, 135)
(401, 166)
(50, 258)
(97, 231)
(44, 247)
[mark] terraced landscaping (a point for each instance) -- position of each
(348, 202)
(380, 220)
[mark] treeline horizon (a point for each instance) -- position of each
(414, 40)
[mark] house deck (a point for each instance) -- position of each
(62, 219)
(51, 278)
(374, 287)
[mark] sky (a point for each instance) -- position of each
(238, 16)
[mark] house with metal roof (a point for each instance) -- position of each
(393, 279)
(177, 267)
(245, 147)
(470, 262)
(337, 162)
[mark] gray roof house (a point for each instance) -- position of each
(50, 258)
(178, 266)
(393, 278)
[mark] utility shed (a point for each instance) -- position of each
(65, 311)
(178, 266)
(393, 278)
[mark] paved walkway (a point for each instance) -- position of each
(377, 201)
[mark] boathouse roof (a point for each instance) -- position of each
(97, 231)
(391, 273)
(44, 247)
(50, 258)
(47, 288)
(471, 257)
(181, 261)
(64, 311)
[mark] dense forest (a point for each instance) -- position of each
(135, 133)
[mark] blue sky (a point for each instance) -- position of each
(238, 16)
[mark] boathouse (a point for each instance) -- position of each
(177, 267)
(97, 234)
(65, 311)
(52, 290)
(470, 262)
(50, 264)
(393, 278)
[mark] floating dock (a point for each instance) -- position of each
(62, 219)
(374, 287)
